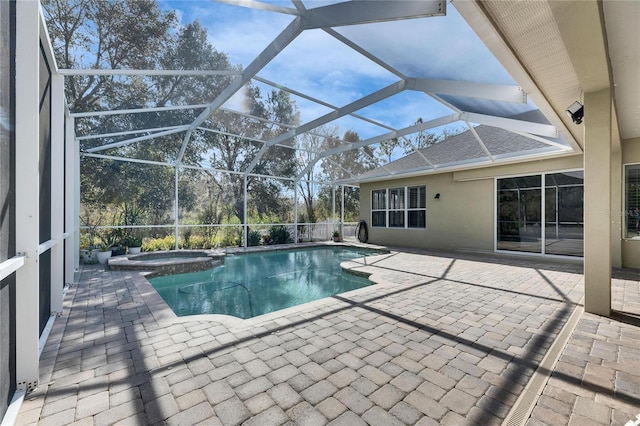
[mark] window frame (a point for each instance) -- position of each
(400, 206)
(379, 210)
(419, 208)
(627, 213)
(543, 186)
(396, 208)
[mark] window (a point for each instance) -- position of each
(417, 207)
(379, 208)
(632, 200)
(396, 207)
(403, 207)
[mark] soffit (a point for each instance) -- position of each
(529, 29)
(622, 21)
(571, 47)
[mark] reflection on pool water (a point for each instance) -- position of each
(258, 283)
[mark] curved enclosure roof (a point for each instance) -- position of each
(384, 70)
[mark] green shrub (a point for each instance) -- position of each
(156, 244)
(186, 234)
(86, 240)
(280, 235)
(231, 236)
(132, 240)
(198, 242)
(254, 238)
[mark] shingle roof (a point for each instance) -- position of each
(464, 148)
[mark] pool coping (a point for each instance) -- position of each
(161, 355)
(163, 313)
(159, 263)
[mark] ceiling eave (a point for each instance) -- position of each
(552, 84)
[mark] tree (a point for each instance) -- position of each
(317, 197)
(233, 145)
(351, 163)
(133, 34)
(312, 144)
(104, 35)
(420, 140)
(345, 165)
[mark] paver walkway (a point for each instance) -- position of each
(440, 340)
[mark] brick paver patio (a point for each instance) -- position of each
(441, 339)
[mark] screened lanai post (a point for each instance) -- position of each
(333, 207)
(27, 178)
(176, 209)
(76, 195)
(72, 250)
(57, 192)
(342, 214)
(295, 210)
(245, 227)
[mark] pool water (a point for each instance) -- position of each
(254, 284)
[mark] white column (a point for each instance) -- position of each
(57, 192)
(27, 190)
(71, 256)
(295, 211)
(245, 227)
(76, 194)
(176, 210)
(342, 212)
(333, 204)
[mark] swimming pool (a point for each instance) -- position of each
(254, 284)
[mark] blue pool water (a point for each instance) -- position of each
(258, 283)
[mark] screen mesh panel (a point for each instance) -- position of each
(45, 188)
(7, 205)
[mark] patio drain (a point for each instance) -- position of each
(523, 407)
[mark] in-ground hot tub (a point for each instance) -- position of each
(168, 262)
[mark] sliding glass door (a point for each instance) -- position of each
(519, 215)
(520, 219)
(564, 213)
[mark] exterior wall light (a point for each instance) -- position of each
(437, 196)
(576, 112)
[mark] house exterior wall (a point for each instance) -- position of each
(463, 218)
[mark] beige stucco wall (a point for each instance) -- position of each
(631, 151)
(463, 217)
(630, 247)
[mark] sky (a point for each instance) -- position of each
(319, 65)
